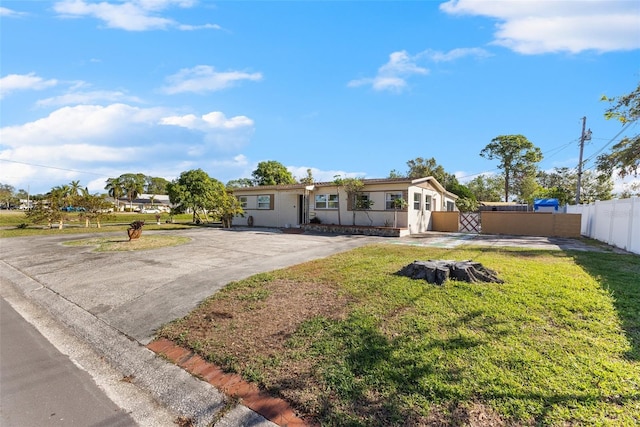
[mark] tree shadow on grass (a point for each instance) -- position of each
(620, 275)
(366, 377)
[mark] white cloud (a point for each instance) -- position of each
(218, 131)
(626, 183)
(454, 54)
(536, 27)
(204, 78)
(9, 13)
(80, 123)
(16, 82)
(132, 15)
(320, 175)
(392, 75)
(185, 27)
(94, 142)
(87, 97)
(210, 121)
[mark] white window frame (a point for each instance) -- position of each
(243, 201)
(262, 199)
(389, 198)
(427, 202)
(451, 206)
(417, 201)
(326, 201)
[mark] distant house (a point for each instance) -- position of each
(146, 201)
(285, 206)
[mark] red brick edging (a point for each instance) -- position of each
(274, 409)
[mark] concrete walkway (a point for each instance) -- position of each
(452, 240)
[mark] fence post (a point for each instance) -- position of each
(630, 234)
(611, 219)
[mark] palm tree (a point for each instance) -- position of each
(75, 190)
(61, 193)
(115, 190)
(133, 184)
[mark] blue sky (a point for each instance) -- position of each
(95, 89)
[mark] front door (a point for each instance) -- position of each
(301, 209)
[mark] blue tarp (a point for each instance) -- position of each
(545, 203)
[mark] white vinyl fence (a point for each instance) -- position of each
(616, 222)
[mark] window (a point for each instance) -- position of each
(417, 201)
(264, 201)
(361, 201)
(326, 201)
(427, 203)
(451, 206)
(243, 201)
(389, 200)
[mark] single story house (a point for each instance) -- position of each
(289, 206)
(146, 201)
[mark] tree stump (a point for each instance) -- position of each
(439, 271)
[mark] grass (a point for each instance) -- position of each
(348, 342)
(10, 224)
(145, 242)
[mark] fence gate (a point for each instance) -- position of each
(470, 222)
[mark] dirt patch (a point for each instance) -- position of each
(470, 415)
(246, 330)
(259, 321)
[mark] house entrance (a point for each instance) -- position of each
(470, 222)
(302, 209)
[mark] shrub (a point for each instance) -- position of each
(136, 225)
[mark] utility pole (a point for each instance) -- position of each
(585, 136)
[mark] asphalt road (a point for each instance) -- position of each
(42, 387)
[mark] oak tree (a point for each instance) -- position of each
(625, 155)
(271, 172)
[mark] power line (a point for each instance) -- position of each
(609, 142)
(548, 154)
(53, 167)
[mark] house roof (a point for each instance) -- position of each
(500, 204)
(373, 181)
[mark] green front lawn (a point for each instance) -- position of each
(348, 342)
(15, 224)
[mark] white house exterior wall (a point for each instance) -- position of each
(376, 216)
(288, 212)
(420, 219)
(283, 214)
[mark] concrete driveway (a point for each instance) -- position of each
(137, 292)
